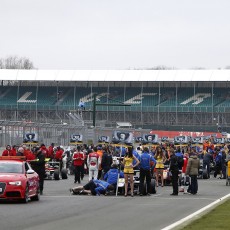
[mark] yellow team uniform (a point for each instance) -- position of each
(160, 162)
(128, 165)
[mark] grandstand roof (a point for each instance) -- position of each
(116, 75)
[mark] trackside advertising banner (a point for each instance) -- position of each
(172, 134)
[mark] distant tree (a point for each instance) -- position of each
(14, 62)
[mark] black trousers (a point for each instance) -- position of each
(206, 165)
(145, 174)
(41, 181)
(194, 184)
(175, 178)
(77, 173)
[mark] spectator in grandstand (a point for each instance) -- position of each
(173, 168)
(78, 162)
(7, 151)
(160, 160)
(93, 187)
(81, 105)
(192, 170)
(93, 162)
(39, 167)
(146, 163)
(129, 169)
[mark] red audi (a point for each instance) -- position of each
(18, 181)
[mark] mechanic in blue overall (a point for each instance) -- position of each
(93, 187)
(147, 162)
(112, 175)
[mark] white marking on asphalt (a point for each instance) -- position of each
(195, 214)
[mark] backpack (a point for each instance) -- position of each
(180, 162)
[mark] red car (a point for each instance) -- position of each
(18, 181)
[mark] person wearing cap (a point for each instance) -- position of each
(38, 166)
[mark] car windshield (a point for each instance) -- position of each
(10, 167)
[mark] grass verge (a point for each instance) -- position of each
(217, 218)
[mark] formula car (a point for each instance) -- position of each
(18, 181)
(53, 171)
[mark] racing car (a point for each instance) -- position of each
(18, 181)
(53, 170)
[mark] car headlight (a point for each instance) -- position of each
(17, 183)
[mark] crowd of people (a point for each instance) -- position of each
(104, 164)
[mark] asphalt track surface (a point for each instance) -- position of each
(57, 209)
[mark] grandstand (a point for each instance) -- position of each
(153, 99)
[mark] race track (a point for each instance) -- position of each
(57, 209)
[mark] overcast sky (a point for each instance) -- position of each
(117, 34)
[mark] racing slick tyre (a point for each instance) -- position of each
(26, 195)
(64, 174)
(205, 174)
(56, 174)
(37, 196)
(153, 186)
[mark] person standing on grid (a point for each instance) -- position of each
(93, 162)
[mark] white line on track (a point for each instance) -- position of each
(197, 213)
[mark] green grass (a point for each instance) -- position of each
(218, 218)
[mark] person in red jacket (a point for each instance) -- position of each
(14, 150)
(59, 155)
(30, 156)
(7, 151)
(78, 162)
(44, 150)
(51, 151)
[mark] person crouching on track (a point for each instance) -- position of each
(93, 187)
(78, 162)
(129, 169)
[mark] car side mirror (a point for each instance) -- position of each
(30, 171)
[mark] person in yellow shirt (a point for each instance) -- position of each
(129, 169)
(160, 159)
